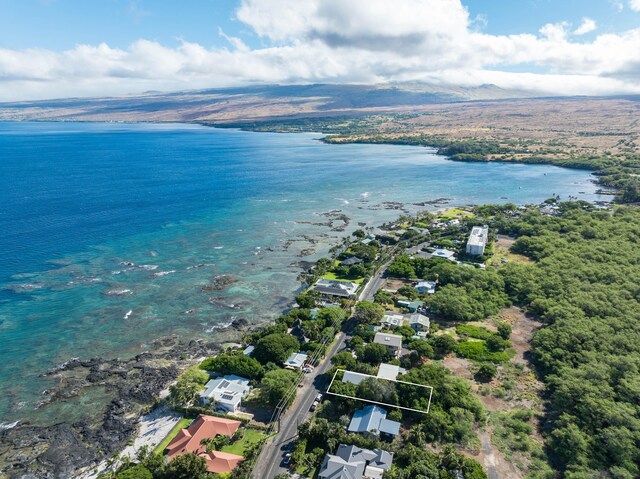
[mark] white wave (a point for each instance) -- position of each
(8, 425)
(159, 274)
(149, 267)
(365, 194)
(118, 292)
(218, 247)
(126, 316)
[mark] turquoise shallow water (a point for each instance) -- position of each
(79, 200)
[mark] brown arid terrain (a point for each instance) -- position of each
(521, 127)
(543, 128)
(514, 389)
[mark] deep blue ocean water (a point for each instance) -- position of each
(80, 199)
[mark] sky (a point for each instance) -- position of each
(71, 48)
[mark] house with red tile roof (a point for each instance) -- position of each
(218, 461)
(189, 441)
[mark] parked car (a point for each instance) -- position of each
(319, 397)
(307, 369)
(286, 460)
(314, 406)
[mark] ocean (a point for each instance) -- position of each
(110, 231)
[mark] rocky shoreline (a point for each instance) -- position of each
(63, 450)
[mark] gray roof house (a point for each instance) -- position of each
(351, 261)
(351, 462)
(373, 419)
(296, 361)
(392, 320)
(343, 289)
(353, 378)
(393, 342)
(444, 253)
(389, 371)
(419, 322)
(428, 287)
(226, 392)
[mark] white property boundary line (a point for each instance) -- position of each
(381, 403)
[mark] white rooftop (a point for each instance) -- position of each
(296, 360)
(443, 253)
(390, 371)
(228, 389)
(478, 236)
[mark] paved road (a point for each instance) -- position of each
(268, 464)
(374, 284)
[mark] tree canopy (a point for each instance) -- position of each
(275, 348)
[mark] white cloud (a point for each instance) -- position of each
(364, 41)
(634, 5)
(587, 26)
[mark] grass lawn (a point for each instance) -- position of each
(502, 252)
(452, 213)
(251, 436)
(331, 276)
(182, 423)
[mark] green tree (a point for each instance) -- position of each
(275, 348)
(375, 353)
(277, 384)
(307, 300)
(359, 234)
(486, 372)
(368, 313)
(495, 343)
(234, 363)
(504, 330)
(186, 466)
(188, 386)
(442, 345)
(378, 390)
(136, 472)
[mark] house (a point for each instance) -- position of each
(428, 287)
(220, 462)
(226, 392)
(189, 441)
(373, 419)
(351, 261)
(351, 462)
(477, 240)
(328, 287)
(248, 350)
(444, 253)
(296, 361)
(353, 378)
(390, 371)
(412, 306)
(393, 342)
(419, 322)
(391, 320)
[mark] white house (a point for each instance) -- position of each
(389, 371)
(343, 289)
(295, 361)
(428, 287)
(392, 320)
(444, 253)
(226, 392)
(477, 240)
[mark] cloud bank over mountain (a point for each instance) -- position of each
(333, 41)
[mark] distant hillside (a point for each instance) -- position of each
(233, 105)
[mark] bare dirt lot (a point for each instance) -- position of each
(515, 388)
